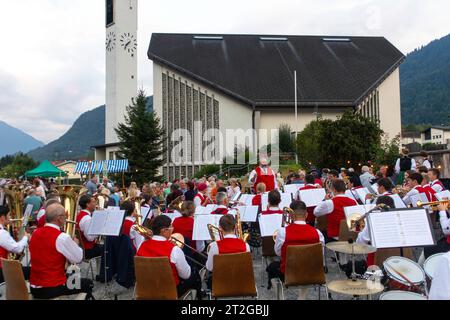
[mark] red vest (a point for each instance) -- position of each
(256, 201)
(334, 218)
(87, 244)
(154, 249)
(296, 235)
(231, 245)
(270, 211)
(431, 193)
(222, 211)
(47, 264)
(3, 254)
(126, 227)
(311, 217)
(184, 226)
(203, 200)
(439, 183)
(41, 222)
(267, 179)
(319, 182)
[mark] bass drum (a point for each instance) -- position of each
(401, 295)
(431, 264)
(408, 268)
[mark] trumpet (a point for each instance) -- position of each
(287, 219)
(433, 204)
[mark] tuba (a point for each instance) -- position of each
(69, 196)
(14, 197)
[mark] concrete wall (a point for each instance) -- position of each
(390, 106)
(441, 160)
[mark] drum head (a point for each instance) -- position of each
(407, 267)
(401, 295)
(431, 264)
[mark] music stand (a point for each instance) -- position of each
(106, 223)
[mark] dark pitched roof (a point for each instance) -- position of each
(444, 128)
(260, 72)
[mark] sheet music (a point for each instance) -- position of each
(201, 222)
(286, 199)
(247, 199)
(444, 195)
(312, 197)
(361, 210)
(422, 197)
(361, 193)
(248, 213)
(27, 214)
(210, 208)
(112, 208)
(350, 194)
(399, 204)
(106, 222)
(236, 196)
(200, 210)
(292, 188)
(394, 229)
(374, 188)
(268, 224)
(173, 215)
(146, 213)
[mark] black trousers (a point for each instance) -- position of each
(194, 282)
(273, 272)
(96, 251)
(26, 274)
(441, 247)
(52, 292)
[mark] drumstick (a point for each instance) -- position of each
(407, 280)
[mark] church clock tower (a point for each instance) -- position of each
(121, 68)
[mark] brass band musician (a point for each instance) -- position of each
(91, 248)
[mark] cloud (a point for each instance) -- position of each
(53, 62)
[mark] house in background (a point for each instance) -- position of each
(436, 135)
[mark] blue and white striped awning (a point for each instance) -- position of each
(99, 166)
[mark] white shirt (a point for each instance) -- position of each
(281, 237)
(426, 163)
(327, 206)
(253, 174)
(40, 192)
(436, 187)
(214, 250)
(40, 214)
(445, 223)
(178, 258)
(397, 165)
(407, 199)
(197, 200)
(84, 226)
(8, 243)
(67, 247)
(440, 286)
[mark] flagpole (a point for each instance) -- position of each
(296, 112)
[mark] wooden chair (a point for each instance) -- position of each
(383, 254)
(16, 286)
(233, 276)
(345, 234)
(304, 267)
(268, 251)
(322, 226)
(154, 280)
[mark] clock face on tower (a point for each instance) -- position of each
(110, 41)
(128, 43)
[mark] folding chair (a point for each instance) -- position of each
(88, 261)
(16, 286)
(268, 251)
(233, 276)
(304, 267)
(154, 280)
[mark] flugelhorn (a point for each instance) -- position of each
(433, 204)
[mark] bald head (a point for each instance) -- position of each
(54, 212)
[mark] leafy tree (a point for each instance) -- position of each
(388, 151)
(141, 140)
(19, 165)
(286, 142)
(350, 140)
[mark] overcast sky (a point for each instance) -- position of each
(52, 59)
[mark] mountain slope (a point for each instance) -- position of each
(17, 140)
(88, 130)
(425, 84)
